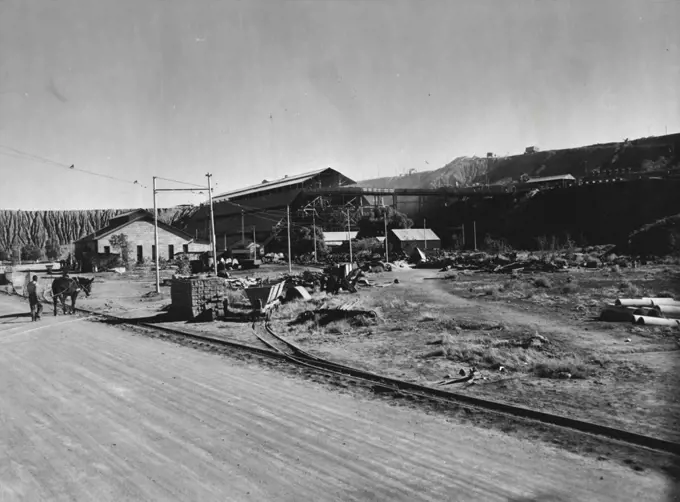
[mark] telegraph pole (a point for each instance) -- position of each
(212, 225)
(155, 210)
(254, 244)
(243, 228)
(155, 237)
(314, 232)
(387, 259)
(425, 232)
(349, 237)
(474, 233)
(290, 263)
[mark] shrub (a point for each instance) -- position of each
(630, 288)
(52, 250)
(542, 282)
(120, 242)
(496, 246)
(31, 252)
(557, 368)
(183, 265)
(570, 289)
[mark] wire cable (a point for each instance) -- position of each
(182, 183)
(15, 153)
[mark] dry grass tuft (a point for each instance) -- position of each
(630, 289)
(570, 288)
(542, 282)
(563, 368)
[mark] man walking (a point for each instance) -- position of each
(36, 306)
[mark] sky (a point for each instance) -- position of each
(252, 90)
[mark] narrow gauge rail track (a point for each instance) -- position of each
(285, 350)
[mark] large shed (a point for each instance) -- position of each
(405, 240)
(263, 207)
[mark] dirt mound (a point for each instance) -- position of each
(659, 238)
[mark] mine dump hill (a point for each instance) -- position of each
(598, 213)
(638, 155)
(21, 228)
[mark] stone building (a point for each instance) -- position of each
(138, 226)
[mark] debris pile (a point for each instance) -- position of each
(243, 282)
(514, 262)
(324, 316)
(643, 311)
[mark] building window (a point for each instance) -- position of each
(153, 251)
(171, 251)
(140, 254)
(107, 249)
(185, 248)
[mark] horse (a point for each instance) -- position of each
(69, 286)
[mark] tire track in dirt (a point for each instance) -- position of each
(189, 425)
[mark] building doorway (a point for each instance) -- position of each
(140, 254)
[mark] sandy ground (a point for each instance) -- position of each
(90, 412)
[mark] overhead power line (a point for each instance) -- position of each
(16, 153)
(182, 182)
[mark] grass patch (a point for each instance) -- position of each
(542, 282)
(570, 288)
(630, 289)
(564, 368)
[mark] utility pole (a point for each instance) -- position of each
(290, 263)
(314, 233)
(212, 225)
(474, 233)
(349, 238)
(425, 232)
(155, 237)
(155, 210)
(387, 259)
(254, 244)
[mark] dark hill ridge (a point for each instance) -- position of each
(19, 228)
(638, 155)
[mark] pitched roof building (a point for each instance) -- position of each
(405, 240)
(138, 226)
(262, 206)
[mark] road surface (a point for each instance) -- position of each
(90, 412)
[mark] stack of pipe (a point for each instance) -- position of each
(647, 311)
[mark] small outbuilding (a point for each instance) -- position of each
(336, 239)
(406, 240)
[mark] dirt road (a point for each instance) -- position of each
(89, 412)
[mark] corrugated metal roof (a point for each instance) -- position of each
(552, 178)
(281, 182)
(339, 236)
(415, 234)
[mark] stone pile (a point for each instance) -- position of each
(198, 297)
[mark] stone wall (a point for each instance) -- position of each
(141, 233)
(198, 297)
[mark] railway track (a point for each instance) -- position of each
(279, 348)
